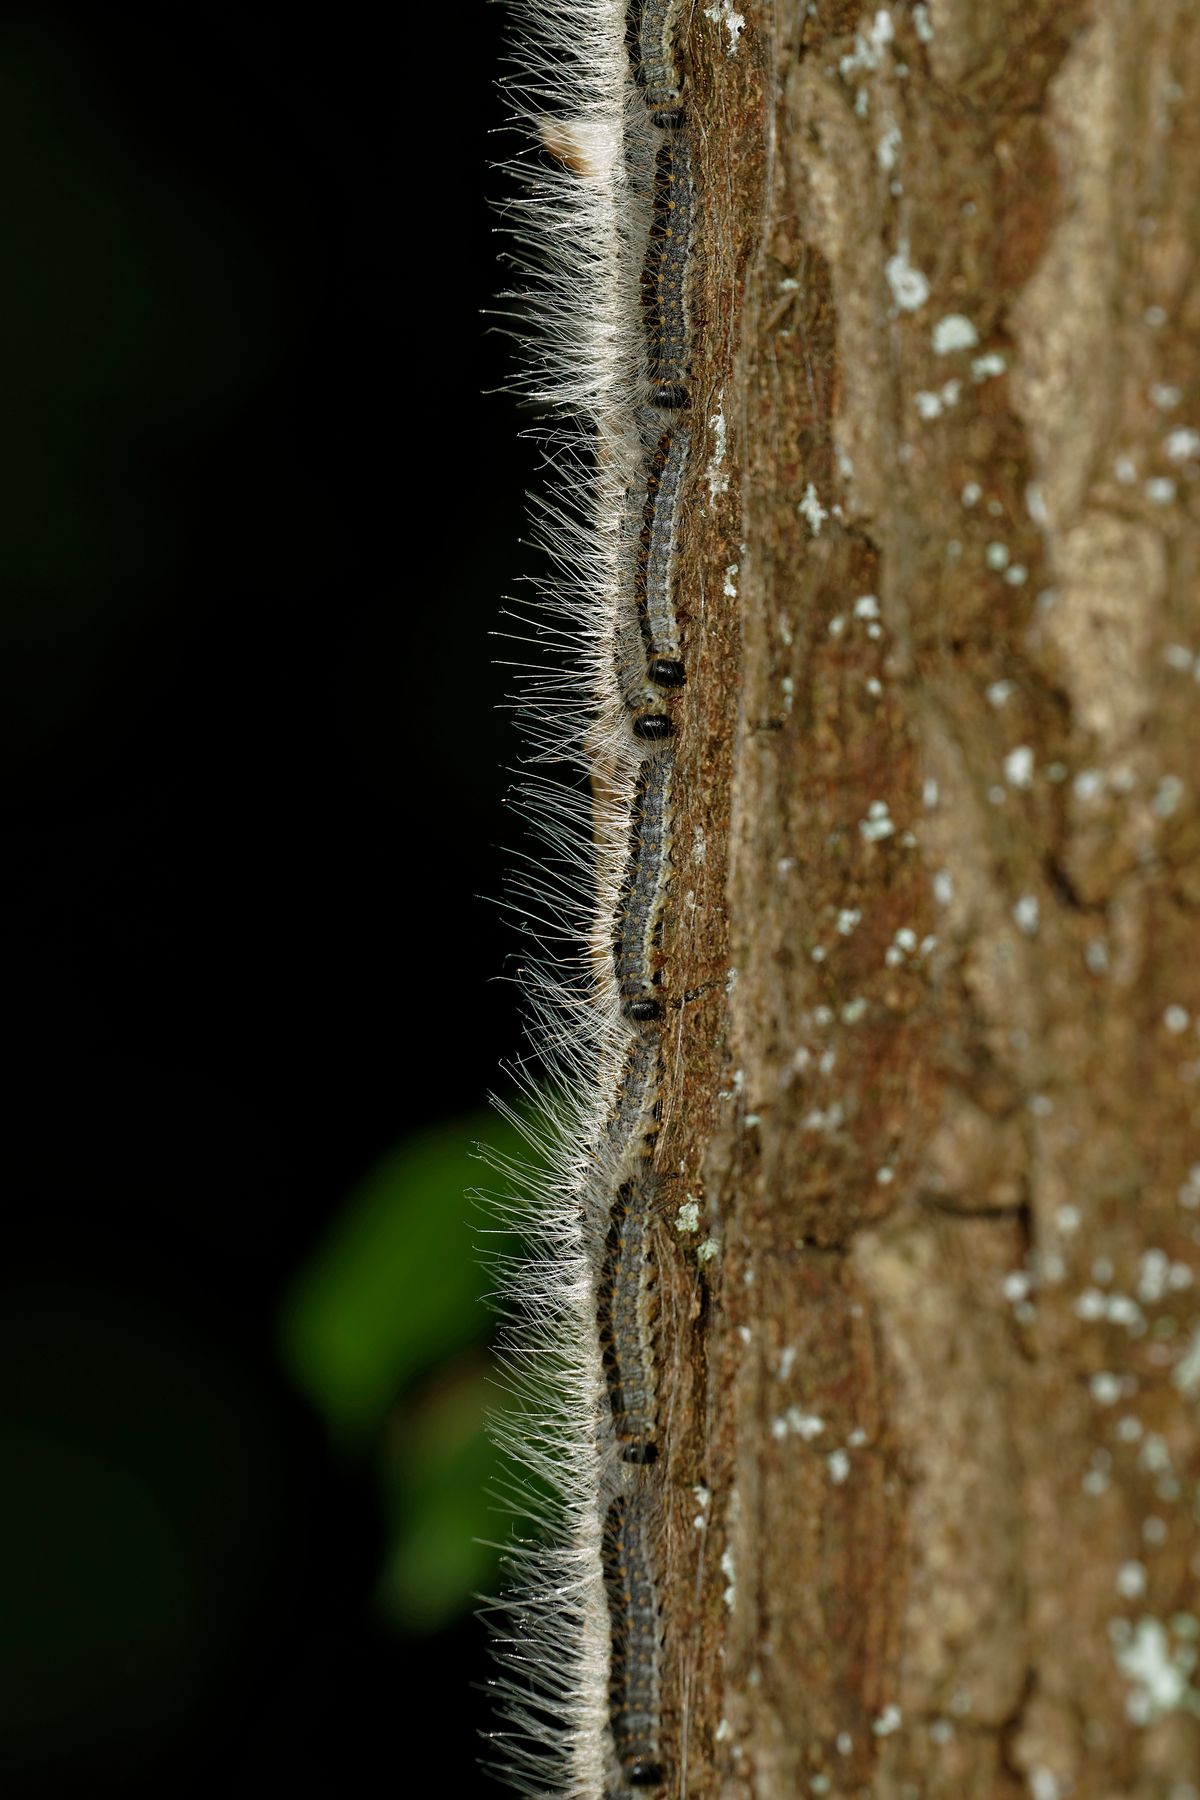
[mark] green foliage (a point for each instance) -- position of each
(435, 1476)
(383, 1331)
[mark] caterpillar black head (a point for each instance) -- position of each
(671, 395)
(652, 728)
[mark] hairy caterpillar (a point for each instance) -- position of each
(637, 1108)
(658, 72)
(607, 229)
(627, 1316)
(633, 1608)
(656, 559)
(637, 929)
(647, 655)
(643, 704)
(665, 275)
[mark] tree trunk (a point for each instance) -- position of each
(934, 1447)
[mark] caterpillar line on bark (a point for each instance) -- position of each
(604, 229)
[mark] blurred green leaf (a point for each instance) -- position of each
(383, 1331)
(397, 1285)
(438, 1510)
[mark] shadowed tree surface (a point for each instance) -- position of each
(934, 1446)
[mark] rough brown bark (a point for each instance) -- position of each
(934, 1443)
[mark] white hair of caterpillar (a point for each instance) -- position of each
(577, 228)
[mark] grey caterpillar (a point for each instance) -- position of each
(656, 560)
(638, 924)
(627, 1316)
(664, 275)
(658, 72)
(634, 1121)
(633, 1612)
(643, 704)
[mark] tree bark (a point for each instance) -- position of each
(934, 1447)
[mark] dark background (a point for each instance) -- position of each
(258, 510)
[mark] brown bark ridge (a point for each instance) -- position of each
(934, 1096)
